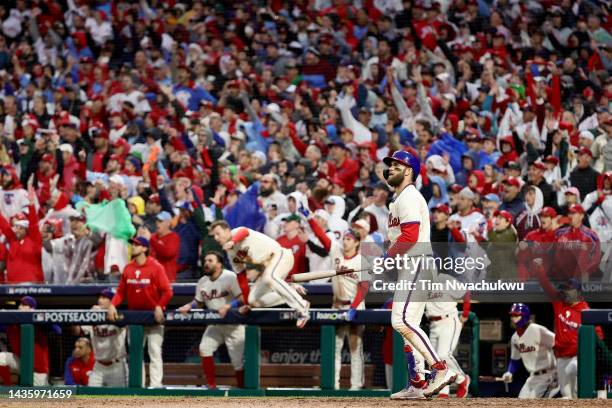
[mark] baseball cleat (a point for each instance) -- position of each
(410, 392)
(440, 377)
(463, 387)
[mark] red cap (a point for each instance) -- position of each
(48, 157)
(154, 198)
(575, 208)
(513, 181)
(548, 212)
(455, 188)
(551, 159)
(539, 165)
(442, 208)
(585, 150)
(504, 214)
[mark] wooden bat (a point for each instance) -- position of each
(309, 276)
(489, 378)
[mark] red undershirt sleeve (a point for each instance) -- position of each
(320, 234)
(241, 234)
(362, 291)
(243, 282)
(407, 239)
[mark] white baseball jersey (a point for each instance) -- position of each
(219, 292)
(345, 286)
(534, 347)
(107, 341)
(255, 249)
(474, 221)
(409, 207)
(442, 302)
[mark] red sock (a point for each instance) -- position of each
(240, 378)
(5, 374)
(208, 365)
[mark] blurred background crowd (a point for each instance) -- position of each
(156, 118)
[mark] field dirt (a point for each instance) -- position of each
(293, 402)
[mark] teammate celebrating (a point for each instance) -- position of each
(108, 343)
(349, 293)
(567, 306)
(219, 290)
(532, 344)
(409, 235)
(243, 245)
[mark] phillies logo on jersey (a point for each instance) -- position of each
(522, 348)
(393, 221)
(214, 294)
(241, 254)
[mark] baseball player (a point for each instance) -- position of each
(10, 361)
(533, 344)
(408, 231)
(145, 285)
(445, 325)
(245, 246)
(79, 366)
(219, 290)
(349, 293)
(567, 306)
(108, 343)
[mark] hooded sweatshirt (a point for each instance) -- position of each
(529, 220)
(443, 199)
(336, 223)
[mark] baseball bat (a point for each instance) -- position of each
(489, 378)
(309, 276)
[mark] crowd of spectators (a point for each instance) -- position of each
(193, 111)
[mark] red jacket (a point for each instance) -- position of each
(348, 172)
(145, 286)
(577, 252)
(24, 262)
(299, 253)
(166, 250)
(41, 346)
(568, 319)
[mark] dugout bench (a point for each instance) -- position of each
(256, 375)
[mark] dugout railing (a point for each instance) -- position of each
(327, 319)
(594, 354)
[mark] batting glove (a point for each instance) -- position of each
(351, 314)
(507, 377)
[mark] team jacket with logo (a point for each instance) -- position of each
(145, 286)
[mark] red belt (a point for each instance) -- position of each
(108, 362)
(436, 318)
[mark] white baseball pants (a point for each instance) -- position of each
(231, 335)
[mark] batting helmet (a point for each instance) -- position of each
(406, 159)
(520, 309)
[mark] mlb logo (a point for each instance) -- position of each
(38, 317)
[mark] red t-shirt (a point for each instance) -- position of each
(41, 346)
(166, 250)
(299, 253)
(145, 286)
(568, 319)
